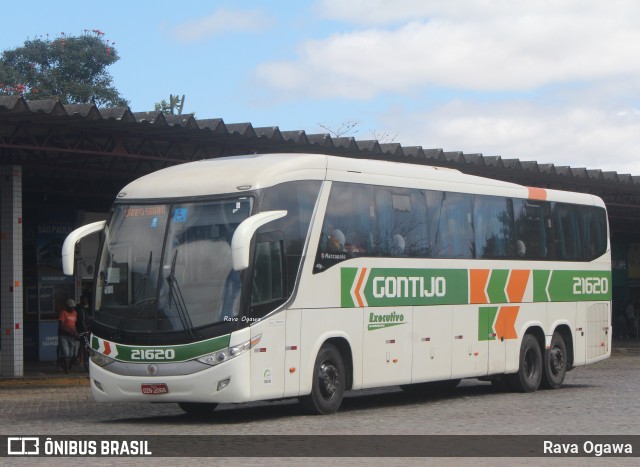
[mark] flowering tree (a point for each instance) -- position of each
(70, 68)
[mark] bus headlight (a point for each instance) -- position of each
(101, 360)
(223, 355)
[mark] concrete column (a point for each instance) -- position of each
(11, 293)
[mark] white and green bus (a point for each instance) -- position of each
(276, 276)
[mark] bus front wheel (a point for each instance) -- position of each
(555, 363)
(529, 374)
(329, 378)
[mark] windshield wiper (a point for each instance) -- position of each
(135, 294)
(174, 290)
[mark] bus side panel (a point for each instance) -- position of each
(432, 331)
(267, 358)
(292, 354)
(598, 331)
(512, 355)
(469, 354)
(580, 332)
(322, 324)
(497, 350)
(387, 355)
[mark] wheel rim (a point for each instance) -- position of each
(556, 360)
(328, 380)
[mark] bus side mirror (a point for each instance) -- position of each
(241, 241)
(69, 245)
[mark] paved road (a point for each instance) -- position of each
(596, 399)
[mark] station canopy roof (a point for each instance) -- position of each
(80, 151)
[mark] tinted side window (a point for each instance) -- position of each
(347, 231)
(455, 230)
(566, 228)
(594, 231)
(268, 277)
(493, 227)
(434, 205)
(282, 241)
(534, 237)
(402, 223)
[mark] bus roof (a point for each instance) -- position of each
(236, 174)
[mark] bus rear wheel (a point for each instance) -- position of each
(198, 409)
(555, 363)
(328, 386)
(529, 374)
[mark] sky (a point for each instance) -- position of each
(547, 81)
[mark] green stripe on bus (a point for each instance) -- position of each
(540, 280)
(486, 318)
(348, 277)
(570, 286)
(171, 353)
(406, 287)
(386, 287)
(497, 285)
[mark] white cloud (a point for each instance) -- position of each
(523, 50)
(550, 81)
(573, 135)
(220, 22)
(368, 12)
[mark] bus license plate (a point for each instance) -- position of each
(152, 389)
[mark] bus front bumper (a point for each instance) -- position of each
(226, 382)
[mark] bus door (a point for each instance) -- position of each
(495, 326)
(470, 353)
(387, 355)
(267, 358)
(292, 353)
(432, 328)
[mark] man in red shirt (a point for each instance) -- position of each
(67, 333)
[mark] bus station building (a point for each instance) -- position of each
(61, 166)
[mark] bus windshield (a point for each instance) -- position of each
(168, 267)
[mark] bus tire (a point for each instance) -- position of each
(198, 409)
(529, 374)
(555, 363)
(329, 378)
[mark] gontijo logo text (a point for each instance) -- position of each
(378, 287)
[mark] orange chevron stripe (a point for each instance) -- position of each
(359, 285)
(506, 322)
(517, 285)
(477, 285)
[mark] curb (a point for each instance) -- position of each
(47, 382)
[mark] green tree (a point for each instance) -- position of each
(70, 68)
